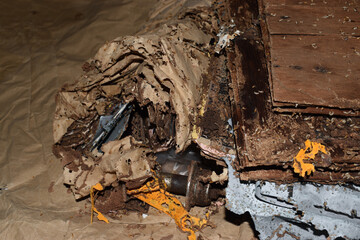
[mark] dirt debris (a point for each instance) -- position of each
(217, 110)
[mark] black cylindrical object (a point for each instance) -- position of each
(175, 183)
(182, 177)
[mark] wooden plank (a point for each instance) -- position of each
(266, 141)
(312, 20)
(288, 176)
(315, 3)
(317, 111)
(316, 70)
(319, 64)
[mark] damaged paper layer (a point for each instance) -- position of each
(160, 74)
(123, 160)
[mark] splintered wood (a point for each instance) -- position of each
(314, 57)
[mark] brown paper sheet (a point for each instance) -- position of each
(43, 45)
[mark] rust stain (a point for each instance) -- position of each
(299, 165)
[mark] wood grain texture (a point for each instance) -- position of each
(315, 3)
(312, 20)
(316, 70)
(314, 52)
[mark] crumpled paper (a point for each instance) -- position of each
(161, 71)
(43, 45)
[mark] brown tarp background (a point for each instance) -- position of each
(42, 46)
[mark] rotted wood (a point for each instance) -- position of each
(250, 89)
(288, 176)
(217, 110)
(317, 110)
(266, 140)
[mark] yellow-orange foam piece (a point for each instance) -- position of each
(100, 216)
(299, 165)
(152, 194)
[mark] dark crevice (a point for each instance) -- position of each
(353, 215)
(307, 226)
